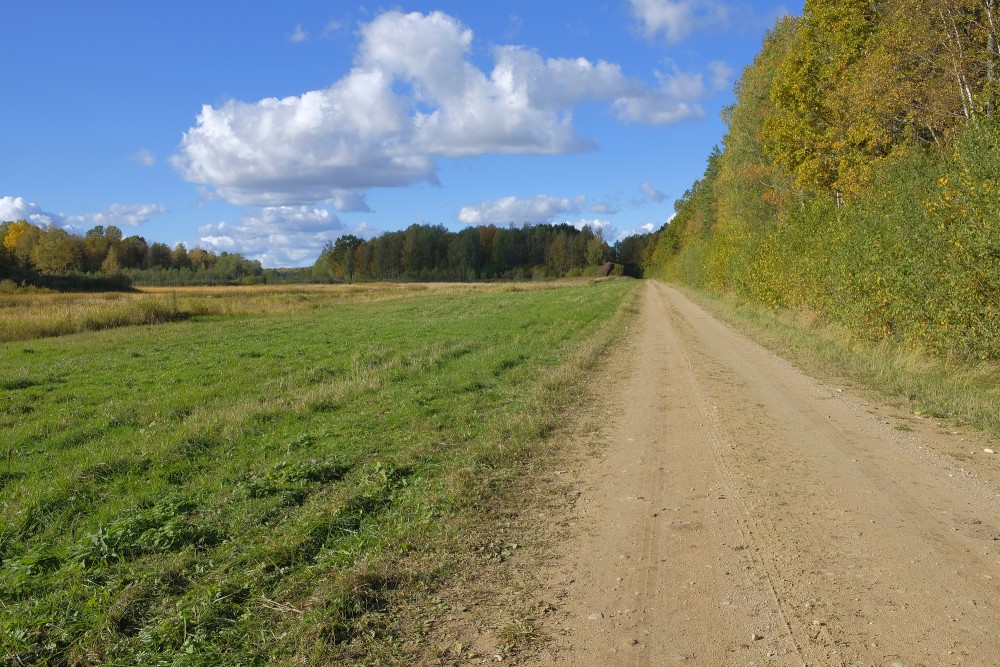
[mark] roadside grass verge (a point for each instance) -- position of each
(258, 490)
(964, 390)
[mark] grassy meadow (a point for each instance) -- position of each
(260, 483)
(27, 313)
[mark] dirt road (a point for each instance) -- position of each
(742, 513)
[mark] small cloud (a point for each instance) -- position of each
(677, 19)
(646, 228)
(534, 210)
(721, 74)
(674, 19)
(332, 27)
(652, 193)
(603, 208)
(144, 157)
(299, 35)
(514, 26)
(350, 202)
(674, 100)
(205, 230)
(603, 228)
(219, 243)
(779, 12)
(119, 215)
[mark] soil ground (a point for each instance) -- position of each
(723, 508)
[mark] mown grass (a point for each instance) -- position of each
(241, 490)
(964, 389)
(28, 313)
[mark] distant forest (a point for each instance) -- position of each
(103, 259)
(431, 252)
(859, 179)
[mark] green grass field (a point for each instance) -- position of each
(238, 490)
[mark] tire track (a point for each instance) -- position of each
(715, 432)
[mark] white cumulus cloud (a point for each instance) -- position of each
(675, 99)
(298, 36)
(645, 228)
(276, 235)
(676, 19)
(304, 148)
(413, 96)
(18, 208)
(609, 231)
(533, 210)
(604, 228)
(119, 215)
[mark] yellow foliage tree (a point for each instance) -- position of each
(20, 241)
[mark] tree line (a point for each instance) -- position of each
(103, 258)
(34, 253)
(431, 252)
(859, 178)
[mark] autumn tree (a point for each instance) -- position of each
(158, 256)
(944, 59)
(341, 258)
(858, 177)
(53, 251)
(824, 143)
(96, 242)
(111, 264)
(179, 258)
(749, 188)
(558, 255)
(20, 241)
(132, 252)
(201, 258)
(597, 251)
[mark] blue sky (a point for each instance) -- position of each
(267, 128)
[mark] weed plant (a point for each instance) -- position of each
(259, 489)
